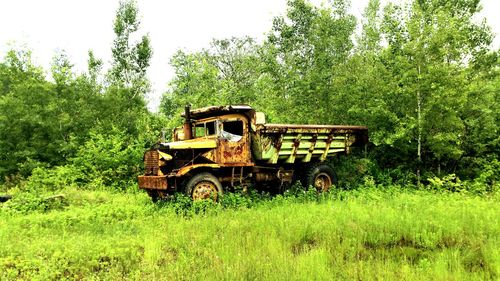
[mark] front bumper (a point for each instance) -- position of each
(153, 182)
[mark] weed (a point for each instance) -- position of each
(370, 233)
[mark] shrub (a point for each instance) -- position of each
(50, 179)
(28, 202)
(352, 170)
(110, 159)
(488, 179)
(449, 182)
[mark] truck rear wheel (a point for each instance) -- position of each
(320, 176)
(203, 186)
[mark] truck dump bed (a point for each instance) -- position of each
(287, 143)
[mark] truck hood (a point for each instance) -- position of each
(198, 143)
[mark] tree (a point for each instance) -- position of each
(225, 73)
(431, 47)
(303, 53)
(127, 85)
(130, 59)
(422, 76)
(50, 122)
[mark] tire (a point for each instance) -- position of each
(154, 195)
(203, 186)
(320, 176)
(5, 198)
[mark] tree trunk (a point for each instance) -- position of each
(419, 128)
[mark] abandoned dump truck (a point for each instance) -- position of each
(220, 148)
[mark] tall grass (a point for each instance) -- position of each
(361, 234)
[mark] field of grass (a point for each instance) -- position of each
(363, 235)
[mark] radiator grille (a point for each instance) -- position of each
(151, 163)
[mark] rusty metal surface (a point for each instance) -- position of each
(210, 142)
(265, 150)
(204, 190)
(210, 155)
(235, 153)
(153, 182)
(151, 165)
(184, 170)
(211, 111)
(295, 128)
(281, 143)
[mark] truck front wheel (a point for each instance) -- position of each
(320, 176)
(203, 186)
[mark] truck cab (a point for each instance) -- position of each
(232, 139)
(212, 140)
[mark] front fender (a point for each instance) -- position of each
(184, 170)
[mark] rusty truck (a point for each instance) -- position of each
(222, 148)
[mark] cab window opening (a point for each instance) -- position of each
(232, 130)
(205, 129)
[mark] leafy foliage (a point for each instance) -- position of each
(130, 59)
(422, 76)
(110, 159)
(84, 125)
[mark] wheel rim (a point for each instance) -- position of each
(322, 182)
(204, 190)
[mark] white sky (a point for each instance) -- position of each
(77, 26)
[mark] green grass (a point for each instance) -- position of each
(363, 235)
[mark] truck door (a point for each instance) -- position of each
(234, 143)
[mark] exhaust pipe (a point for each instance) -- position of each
(188, 126)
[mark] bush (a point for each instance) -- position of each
(488, 179)
(109, 159)
(447, 183)
(28, 202)
(352, 170)
(50, 179)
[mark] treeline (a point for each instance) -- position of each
(422, 76)
(88, 129)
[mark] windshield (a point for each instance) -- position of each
(204, 129)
